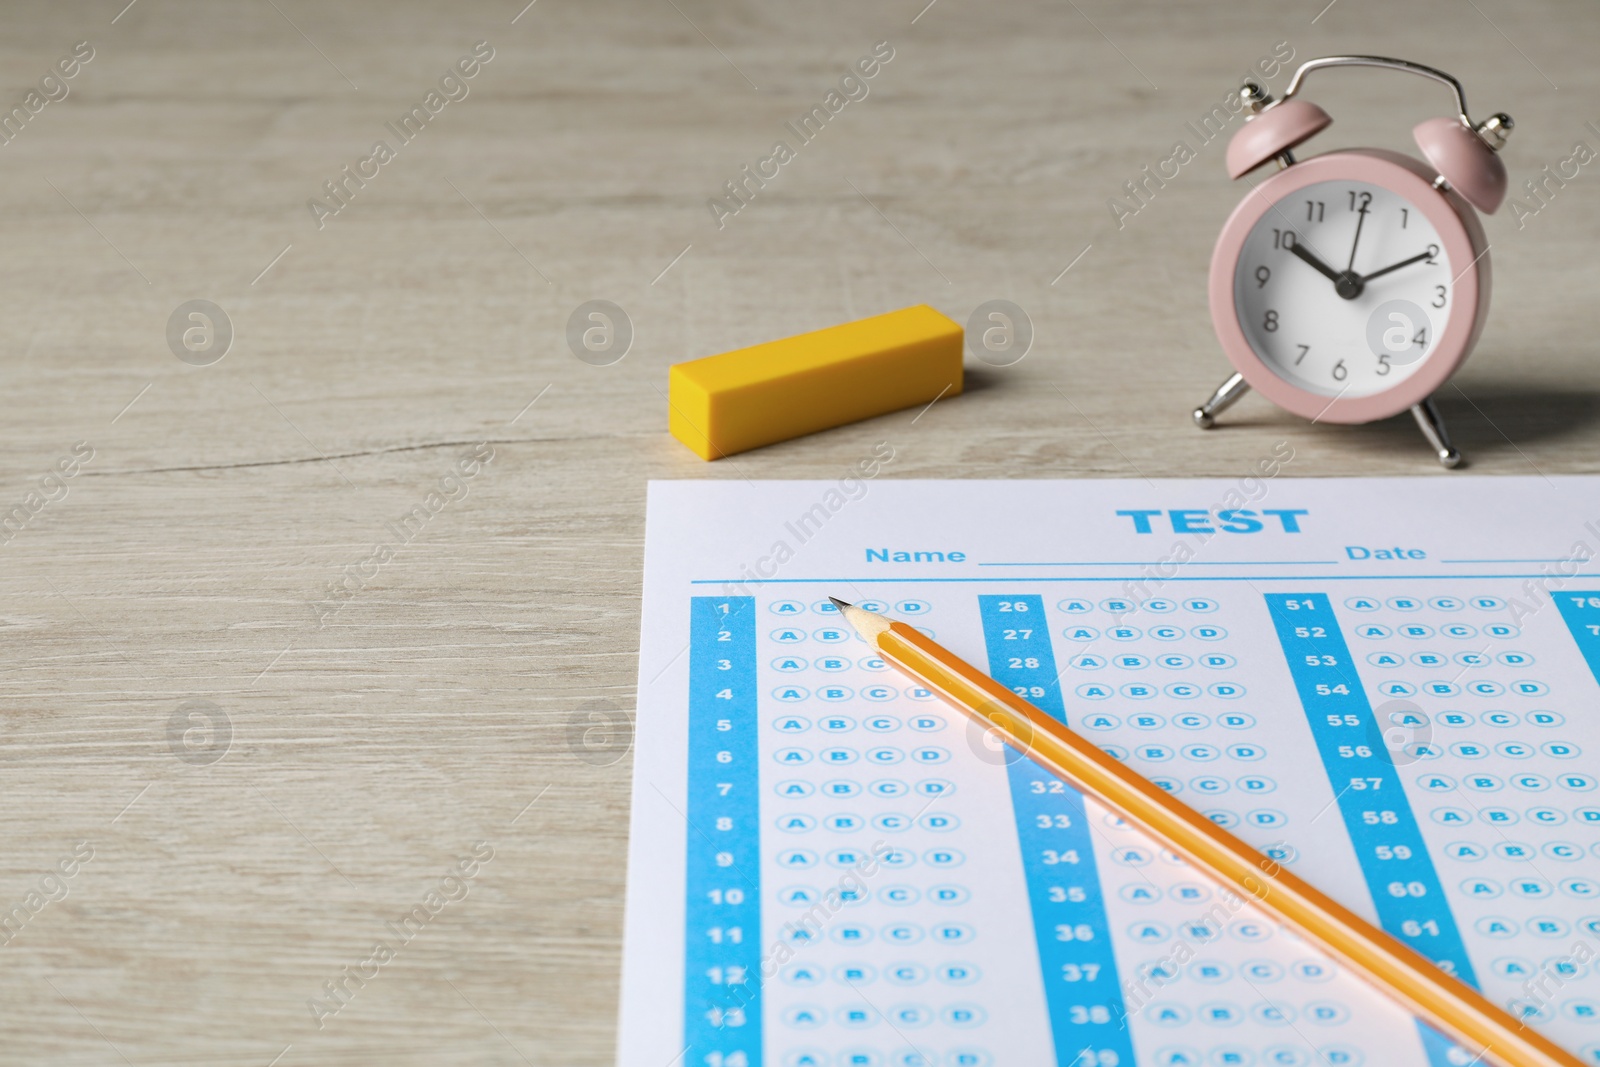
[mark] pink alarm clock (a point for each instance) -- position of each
(1349, 286)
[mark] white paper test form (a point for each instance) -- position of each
(1390, 685)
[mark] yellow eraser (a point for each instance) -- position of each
(771, 392)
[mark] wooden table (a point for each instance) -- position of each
(279, 690)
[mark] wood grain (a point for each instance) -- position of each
(372, 747)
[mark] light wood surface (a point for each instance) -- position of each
(373, 747)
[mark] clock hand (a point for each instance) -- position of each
(1321, 267)
(1361, 217)
(1418, 258)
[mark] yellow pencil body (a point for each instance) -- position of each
(1449, 1004)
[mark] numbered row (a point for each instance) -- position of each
(904, 973)
(1083, 634)
(802, 859)
(1416, 631)
(841, 756)
(1215, 972)
(844, 788)
(1230, 1055)
(897, 1016)
(1440, 659)
(1158, 934)
(828, 635)
(1489, 783)
(1122, 606)
(898, 896)
(1211, 785)
(831, 664)
(856, 933)
(1528, 782)
(1514, 851)
(1529, 888)
(1586, 816)
(1421, 750)
(1133, 661)
(843, 724)
(1438, 603)
(1223, 1013)
(1145, 720)
(889, 822)
(1202, 753)
(1149, 691)
(1520, 968)
(790, 608)
(1411, 718)
(1550, 927)
(838, 694)
(904, 1057)
(1482, 687)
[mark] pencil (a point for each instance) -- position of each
(1452, 1006)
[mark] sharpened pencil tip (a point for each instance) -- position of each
(868, 624)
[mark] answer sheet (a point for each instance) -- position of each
(1392, 686)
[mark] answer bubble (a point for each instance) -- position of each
(1404, 730)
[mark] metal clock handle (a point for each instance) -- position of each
(1493, 129)
(1405, 66)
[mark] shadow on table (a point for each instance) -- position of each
(977, 379)
(1494, 416)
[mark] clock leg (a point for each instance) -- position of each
(1432, 427)
(1205, 416)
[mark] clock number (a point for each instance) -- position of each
(1304, 349)
(1262, 274)
(1405, 217)
(1421, 339)
(1438, 292)
(1283, 238)
(1383, 363)
(1365, 200)
(1269, 322)
(1340, 371)
(1315, 210)
(1433, 255)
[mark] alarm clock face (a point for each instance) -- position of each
(1343, 288)
(1347, 287)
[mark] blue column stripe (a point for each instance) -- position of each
(1581, 611)
(722, 935)
(1076, 956)
(1399, 873)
